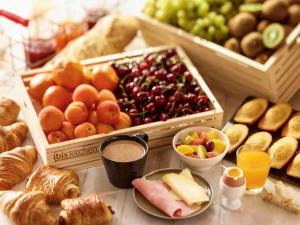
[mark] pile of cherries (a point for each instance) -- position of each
(158, 86)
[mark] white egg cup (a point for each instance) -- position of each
(231, 196)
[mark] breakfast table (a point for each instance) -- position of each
(254, 210)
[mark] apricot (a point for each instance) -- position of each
(56, 137)
(106, 94)
(68, 129)
(69, 74)
(108, 112)
(104, 77)
(39, 84)
(84, 130)
(93, 118)
(124, 121)
(77, 113)
(57, 96)
(51, 118)
(85, 93)
(103, 128)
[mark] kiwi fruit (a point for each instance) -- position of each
(294, 14)
(274, 10)
(262, 25)
(263, 56)
(273, 35)
(233, 44)
(241, 24)
(254, 8)
(287, 29)
(252, 44)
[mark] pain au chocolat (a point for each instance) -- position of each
(262, 138)
(282, 151)
(251, 111)
(292, 128)
(275, 117)
(293, 169)
(236, 135)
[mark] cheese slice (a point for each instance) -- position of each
(185, 173)
(186, 188)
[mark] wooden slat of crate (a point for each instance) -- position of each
(83, 153)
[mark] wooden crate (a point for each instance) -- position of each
(278, 79)
(83, 153)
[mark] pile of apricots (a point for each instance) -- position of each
(77, 101)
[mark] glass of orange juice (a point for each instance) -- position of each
(255, 164)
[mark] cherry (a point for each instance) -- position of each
(209, 145)
(137, 121)
(147, 120)
(164, 117)
(197, 90)
(170, 53)
(159, 100)
(129, 87)
(178, 96)
(178, 144)
(161, 74)
(133, 113)
(178, 68)
(122, 70)
(171, 78)
(188, 77)
(203, 99)
(150, 107)
(156, 90)
(142, 96)
(135, 72)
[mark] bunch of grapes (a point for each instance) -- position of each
(203, 18)
(157, 87)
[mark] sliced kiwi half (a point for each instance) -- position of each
(251, 7)
(273, 35)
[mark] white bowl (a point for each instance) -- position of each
(200, 164)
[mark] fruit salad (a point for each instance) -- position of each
(201, 145)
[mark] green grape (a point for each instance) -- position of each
(195, 30)
(150, 3)
(190, 6)
(211, 30)
(219, 20)
(150, 11)
(182, 22)
(211, 17)
(190, 25)
(161, 16)
(206, 22)
(203, 9)
(202, 34)
(219, 35)
(200, 23)
(226, 8)
(181, 14)
(224, 30)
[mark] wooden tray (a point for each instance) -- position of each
(278, 174)
(83, 153)
(278, 79)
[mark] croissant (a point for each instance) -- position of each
(58, 184)
(88, 210)
(9, 111)
(12, 136)
(16, 165)
(27, 208)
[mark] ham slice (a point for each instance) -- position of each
(157, 194)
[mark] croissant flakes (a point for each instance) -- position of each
(16, 165)
(88, 210)
(27, 208)
(58, 184)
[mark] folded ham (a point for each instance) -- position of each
(156, 193)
